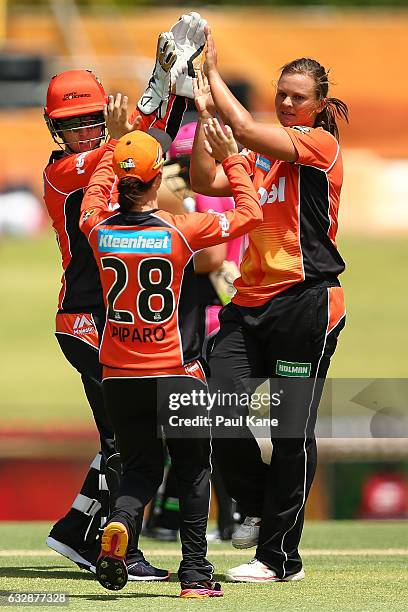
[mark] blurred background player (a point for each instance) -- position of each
(74, 116)
(216, 268)
(145, 261)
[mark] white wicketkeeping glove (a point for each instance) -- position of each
(156, 95)
(189, 38)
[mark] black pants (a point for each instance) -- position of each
(99, 490)
(289, 340)
(164, 511)
(132, 406)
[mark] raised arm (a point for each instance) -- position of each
(203, 230)
(95, 204)
(205, 176)
(178, 52)
(260, 137)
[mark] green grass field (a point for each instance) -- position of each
(351, 566)
(39, 385)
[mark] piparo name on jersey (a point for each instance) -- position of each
(119, 241)
(141, 334)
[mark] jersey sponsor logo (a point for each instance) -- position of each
(138, 334)
(120, 241)
(263, 163)
(72, 95)
(275, 193)
(192, 367)
(82, 325)
(301, 128)
(245, 152)
(223, 221)
(80, 162)
(87, 214)
(293, 369)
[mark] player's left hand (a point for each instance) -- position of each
(116, 117)
(189, 37)
(218, 143)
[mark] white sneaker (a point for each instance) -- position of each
(247, 534)
(256, 571)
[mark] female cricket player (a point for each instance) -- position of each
(144, 257)
(284, 321)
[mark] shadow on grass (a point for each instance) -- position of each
(113, 597)
(124, 597)
(45, 572)
(60, 572)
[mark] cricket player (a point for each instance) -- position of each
(145, 261)
(74, 116)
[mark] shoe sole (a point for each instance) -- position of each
(200, 593)
(111, 573)
(293, 578)
(148, 578)
(114, 540)
(111, 569)
(68, 552)
(244, 545)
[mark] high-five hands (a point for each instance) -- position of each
(116, 117)
(202, 95)
(210, 63)
(178, 55)
(156, 95)
(218, 143)
(189, 38)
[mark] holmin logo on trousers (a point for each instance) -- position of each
(293, 368)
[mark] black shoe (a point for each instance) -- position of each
(143, 570)
(83, 557)
(199, 590)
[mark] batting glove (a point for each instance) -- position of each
(189, 38)
(156, 95)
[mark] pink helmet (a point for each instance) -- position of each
(182, 145)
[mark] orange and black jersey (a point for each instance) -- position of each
(297, 240)
(65, 179)
(146, 269)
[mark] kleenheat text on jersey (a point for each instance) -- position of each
(121, 241)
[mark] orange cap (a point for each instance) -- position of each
(137, 154)
(74, 93)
